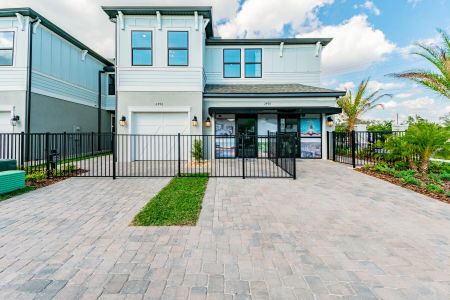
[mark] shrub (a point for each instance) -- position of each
(435, 178)
(411, 180)
(36, 176)
(444, 176)
(435, 188)
(197, 151)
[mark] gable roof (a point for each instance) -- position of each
(268, 90)
(204, 11)
(272, 41)
(28, 12)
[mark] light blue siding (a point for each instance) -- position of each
(60, 71)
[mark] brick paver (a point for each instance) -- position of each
(332, 234)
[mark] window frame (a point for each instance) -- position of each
(224, 63)
(253, 63)
(168, 49)
(11, 49)
(141, 48)
(113, 84)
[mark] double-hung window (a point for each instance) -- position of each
(6, 48)
(231, 63)
(141, 44)
(178, 48)
(253, 63)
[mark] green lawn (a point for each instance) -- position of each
(17, 193)
(179, 203)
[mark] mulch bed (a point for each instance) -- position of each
(53, 180)
(397, 181)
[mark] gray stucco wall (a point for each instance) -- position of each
(54, 115)
(16, 99)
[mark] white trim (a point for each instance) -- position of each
(158, 20)
(205, 23)
(121, 20)
(281, 49)
(21, 21)
(155, 109)
(83, 54)
(196, 20)
(36, 26)
(7, 108)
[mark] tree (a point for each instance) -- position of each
(380, 126)
(439, 56)
(353, 107)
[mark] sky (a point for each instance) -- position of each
(371, 38)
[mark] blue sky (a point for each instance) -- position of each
(372, 38)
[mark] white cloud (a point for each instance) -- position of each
(403, 95)
(356, 45)
(266, 18)
(418, 103)
(384, 86)
(350, 85)
(369, 5)
(390, 104)
(414, 2)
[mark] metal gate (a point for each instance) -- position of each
(128, 155)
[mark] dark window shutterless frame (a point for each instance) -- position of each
(231, 63)
(253, 63)
(180, 48)
(149, 48)
(8, 49)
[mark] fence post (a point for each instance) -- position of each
(353, 137)
(47, 153)
(243, 156)
(268, 144)
(113, 145)
(333, 137)
(92, 143)
(22, 150)
(294, 157)
(179, 155)
(328, 145)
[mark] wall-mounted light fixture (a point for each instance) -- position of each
(14, 120)
(330, 122)
(123, 121)
(194, 122)
(208, 122)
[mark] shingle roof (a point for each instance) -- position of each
(272, 90)
(271, 41)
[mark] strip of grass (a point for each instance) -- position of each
(16, 193)
(179, 203)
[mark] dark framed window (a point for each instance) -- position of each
(253, 63)
(142, 48)
(232, 63)
(6, 48)
(178, 48)
(111, 84)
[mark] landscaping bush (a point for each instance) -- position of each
(197, 151)
(36, 177)
(434, 188)
(411, 180)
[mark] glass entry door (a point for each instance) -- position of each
(247, 137)
(290, 125)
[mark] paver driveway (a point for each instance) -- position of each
(332, 233)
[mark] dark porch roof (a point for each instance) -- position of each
(267, 90)
(279, 110)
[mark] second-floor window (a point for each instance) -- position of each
(141, 44)
(231, 63)
(111, 85)
(178, 48)
(253, 63)
(6, 48)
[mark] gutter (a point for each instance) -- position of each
(99, 108)
(29, 75)
(274, 95)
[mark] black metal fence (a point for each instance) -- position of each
(358, 148)
(126, 155)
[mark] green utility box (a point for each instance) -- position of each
(8, 165)
(11, 181)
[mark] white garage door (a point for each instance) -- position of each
(5, 122)
(166, 125)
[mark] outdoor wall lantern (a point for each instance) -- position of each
(194, 121)
(330, 122)
(208, 122)
(14, 120)
(123, 121)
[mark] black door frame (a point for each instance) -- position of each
(238, 137)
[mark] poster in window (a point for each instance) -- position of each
(225, 136)
(310, 127)
(311, 148)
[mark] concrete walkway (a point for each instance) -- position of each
(332, 234)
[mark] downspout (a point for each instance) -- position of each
(29, 75)
(99, 109)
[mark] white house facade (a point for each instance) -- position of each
(174, 76)
(49, 80)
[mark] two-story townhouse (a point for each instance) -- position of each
(49, 80)
(174, 76)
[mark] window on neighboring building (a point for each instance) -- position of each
(178, 48)
(232, 63)
(141, 44)
(6, 48)
(111, 84)
(253, 63)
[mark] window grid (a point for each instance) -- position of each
(150, 49)
(232, 63)
(254, 63)
(178, 48)
(9, 49)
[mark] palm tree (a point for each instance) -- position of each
(353, 107)
(439, 80)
